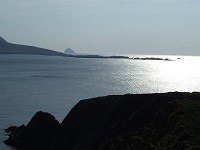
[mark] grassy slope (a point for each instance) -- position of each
(176, 126)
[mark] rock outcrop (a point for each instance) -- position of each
(128, 122)
(42, 132)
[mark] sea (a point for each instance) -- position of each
(54, 84)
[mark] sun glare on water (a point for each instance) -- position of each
(182, 74)
(179, 70)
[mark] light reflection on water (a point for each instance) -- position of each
(179, 75)
(56, 84)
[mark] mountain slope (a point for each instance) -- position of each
(2, 39)
(10, 48)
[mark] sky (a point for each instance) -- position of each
(169, 27)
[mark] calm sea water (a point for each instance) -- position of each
(55, 84)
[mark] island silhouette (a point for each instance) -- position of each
(10, 48)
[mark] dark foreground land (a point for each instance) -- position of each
(121, 122)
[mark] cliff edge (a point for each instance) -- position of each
(116, 122)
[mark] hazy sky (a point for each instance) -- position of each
(104, 26)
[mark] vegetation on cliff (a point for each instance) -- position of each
(133, 121)
(175, 126)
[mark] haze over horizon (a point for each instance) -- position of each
(104, 26)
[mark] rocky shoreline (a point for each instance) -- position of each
(116, 122)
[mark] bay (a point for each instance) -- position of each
(54, 84)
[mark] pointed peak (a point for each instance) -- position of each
(69, 51)
(2, 39)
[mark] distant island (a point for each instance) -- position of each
(153, 58)
(69, 51)
(10, 48)
(97, 56)
(160, 121)
(116, 57)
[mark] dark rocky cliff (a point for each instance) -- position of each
(128, 122)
